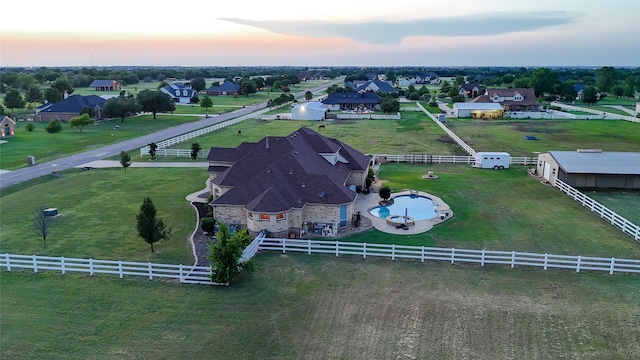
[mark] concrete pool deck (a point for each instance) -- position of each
(364, 202)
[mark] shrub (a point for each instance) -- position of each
(208, 225)
(30, 127)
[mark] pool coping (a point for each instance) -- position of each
(365, 202)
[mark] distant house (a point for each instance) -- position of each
(407, 81)
(516, 99)
(470, 90)
(429, 78)
(353, 101)
(105, 85)
(7, 127)
(313, 110)
(302, 183)
(377, 86)
(70, 107)
(180, 93)
(478, 110)
(226, 88)
(591, 168)
(579, 88)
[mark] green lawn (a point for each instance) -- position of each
(46, 147)
(624, 203)
(323, 307)
(508, 135)
(98, 210)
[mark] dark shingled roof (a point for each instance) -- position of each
(279, 173)
(527, 93)
(352, 98)
(73, 104)
(101, 83)
(225, 86)
(384, 86)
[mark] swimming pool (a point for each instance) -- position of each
(417, 207)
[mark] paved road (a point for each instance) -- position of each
(32, 172)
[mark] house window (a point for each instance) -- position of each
(216, 192)
(264, 217)
(177, 92)
(281, 216)
(250, 215)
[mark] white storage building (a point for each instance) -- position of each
(313, 110)
(478, 110)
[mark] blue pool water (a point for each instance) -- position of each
(418, 207)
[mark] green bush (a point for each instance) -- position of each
(30, 127)
(208, 225)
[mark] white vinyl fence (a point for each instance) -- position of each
(451, 134)
(369, 116)
(182, 138)
(446, 159)
(602, 114)
(452, 255)
(618, 221)
(184, 273)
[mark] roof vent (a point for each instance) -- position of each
(589, 150)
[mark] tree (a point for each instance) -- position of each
(81, 121)
(206, 102)
(198, 83)
(308, 95)
(121, 107)
(42, 224)
(52, 95)
(63, 86)
(152, 150)
(617, 90)
(125, 160)
(150, 228)
(195, 148)
(1, 110)
(390, 105)
(226, 253)
(590, 95)
(54, 127)
(33, 95)
(543, 81)
(13, 100)
(155, 101)
(30, 127)
(385, 193)
(606, 77)
(248, 87)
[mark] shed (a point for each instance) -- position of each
(591, 168)
(478, 110)
(313, 110)
(7, 127)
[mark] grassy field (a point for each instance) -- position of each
(46, 147)
(323, 307)
(98, 210)
(508, 135)
(624, 203)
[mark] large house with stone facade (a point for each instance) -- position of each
(514, 99)
(290, 186)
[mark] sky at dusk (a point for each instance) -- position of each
(320, 33)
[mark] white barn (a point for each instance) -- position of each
(313, 110)
(478, 110)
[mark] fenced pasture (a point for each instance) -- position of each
(295, 306)
(70, 141)
(625, 203)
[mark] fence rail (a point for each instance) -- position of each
(184, 273)
(451, 134)
(185, 137)
(369, 116)
(613, 218)
(596, 112)
(446, 159)
(452, 255)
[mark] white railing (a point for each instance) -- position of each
(202, 154)
(182, 138)
(452, 255)
(369, 116)
(184, 273)
(618, 221)
(451, 134)
(250, 251)
(604, 114)
(446, 159)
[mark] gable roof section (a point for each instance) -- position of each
(352, 98)
(382, 85)
(284, 172)
(73, 104)
(95, 83)
(225, 86)
(181, 88)
(477, 106)
(470, 86)
(598, 162)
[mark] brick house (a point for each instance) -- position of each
(226, 88)
(70, 107)
(352, 101)
(515, 99)
(7, 127)
(288, 185)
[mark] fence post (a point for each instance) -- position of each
(513, 259)
(364, 250)
(546, 260)
(120, 268)
(150, 272)
(578, 263)
(613, 266)
(308, 247)
(393, 251)
(453, 255)
(337, 247)
(422, 256)
(180, 274)
(35, 264)
(482, 260)
(6, 257)
(90, 267)
(62, 265)
(284, 245)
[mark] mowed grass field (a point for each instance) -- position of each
(322, 307)
(46, 147)
(624, 203)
